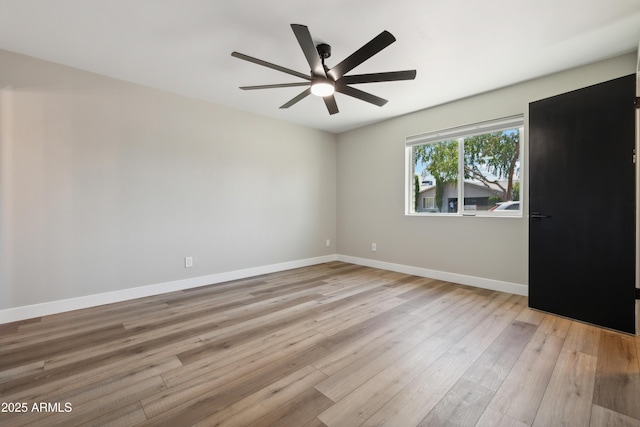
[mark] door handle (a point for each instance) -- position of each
(537, 215)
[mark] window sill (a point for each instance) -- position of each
(466, 215)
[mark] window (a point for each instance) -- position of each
(428, 202)
(478, 164)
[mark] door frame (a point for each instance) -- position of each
(637, 153)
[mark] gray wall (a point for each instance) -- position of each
(106, 186)
(371, 186)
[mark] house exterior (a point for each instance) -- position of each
(477, 197)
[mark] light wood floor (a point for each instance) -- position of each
(333, 344)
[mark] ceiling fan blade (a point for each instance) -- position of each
(297, 98)
(270, 65)
(330, 102)
(364, 96)
(378, 43)
(379, 77)
(274, 86)
(309, 49)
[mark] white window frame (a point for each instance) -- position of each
(459, 133)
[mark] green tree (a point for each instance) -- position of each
(485, 157)
(497, 153)
(516, 191)
(441, 162)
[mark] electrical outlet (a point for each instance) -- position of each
(328, 242)
(374, 247)
(188, 262)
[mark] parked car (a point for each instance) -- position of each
(506, 206)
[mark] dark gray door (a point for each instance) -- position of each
(582, 204)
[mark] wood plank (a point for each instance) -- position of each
(315, 423)
(202, 404)
(111, 386)
(521, 392)
(617, 385)
(13, 327)
(12, 357)
(275, 319)
(278, 344)
(529, 315)
(492, 367)
(583, 338)
(124, 397)
(603, 417)
(131, 342)
(124, 417)
(567, 400)
(493, 418)
(434, 316)
(247, 411)
(184, 383)
(265, 306)
(558, 326)
(77, 321)
(380, 355)
(424, 391)
(356, 407)
(348, 353)
(23, 369)
(357, 316)
(300, 410)
(463, 405)
(472, 316)
(240, 341)
(66, 379)
(422, 295)
(355, 302)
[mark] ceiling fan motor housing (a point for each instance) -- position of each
(324, 50)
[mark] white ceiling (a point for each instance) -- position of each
(458, 47)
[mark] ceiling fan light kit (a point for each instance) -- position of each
(322, 87)
(323, 81)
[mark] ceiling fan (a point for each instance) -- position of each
(324, 81)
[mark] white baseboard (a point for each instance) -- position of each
(478, 282)
(60, 306)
